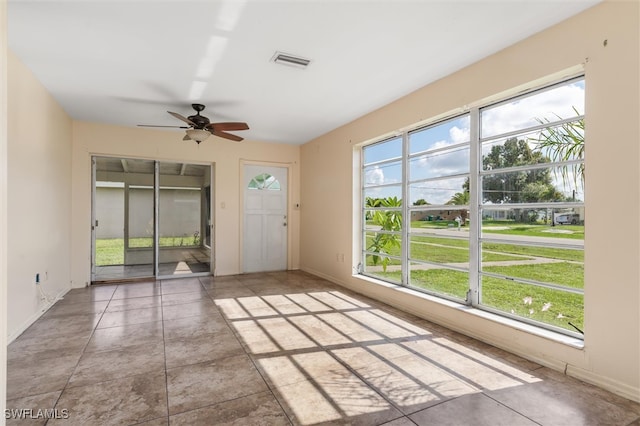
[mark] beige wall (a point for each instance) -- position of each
(39, 196)
(3, 208)
(611, 352)
(99, 139)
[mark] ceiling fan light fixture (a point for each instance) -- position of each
(198, 135)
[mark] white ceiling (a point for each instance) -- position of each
(128, 62)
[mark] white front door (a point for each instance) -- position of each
(265, 219)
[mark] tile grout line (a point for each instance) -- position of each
(323, 348)
(252, 360)
(164, 353)
(93, 330)
(509, 408)
(229, 356)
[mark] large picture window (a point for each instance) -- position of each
(486, 208)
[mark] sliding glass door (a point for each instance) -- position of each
(183, 218)
(150, 219)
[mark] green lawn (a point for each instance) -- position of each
(546, 305)
(447, 250)
(564, 273)
(443, 253)
(453, 242)
(529, 301)
(443, 250)
(434, 224)
(513, 228)
(443, 281)
(510, 296)
(575, 232)
(110, 251)
(551, 253)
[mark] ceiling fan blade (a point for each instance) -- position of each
(227, 136)
(181, 117)
(227, 126)
(153, 125)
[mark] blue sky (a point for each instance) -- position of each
(522, 113)
(442, 163)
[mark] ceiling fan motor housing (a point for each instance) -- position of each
(199, 120)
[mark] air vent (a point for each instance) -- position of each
(290, 60)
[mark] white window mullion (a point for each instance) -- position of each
(475, 224)
(156, 215)
(363, 217)
(406, 215)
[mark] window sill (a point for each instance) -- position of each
(517, 325)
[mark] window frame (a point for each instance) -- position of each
(362, 267)
(476, 174)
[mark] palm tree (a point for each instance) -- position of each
(460, 199)
(564, 143)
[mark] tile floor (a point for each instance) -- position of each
(277, 349)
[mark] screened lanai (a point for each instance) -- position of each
(150, 219)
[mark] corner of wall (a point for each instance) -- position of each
(3, 207)
(38, 164)
(42, 308)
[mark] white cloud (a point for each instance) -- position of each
(459, 135)
(444, 163)
(525, 112)
(374, 176)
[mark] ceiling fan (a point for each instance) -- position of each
(200, 127)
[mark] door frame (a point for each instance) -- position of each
(211, 219)
(93, 220)
(284, 165)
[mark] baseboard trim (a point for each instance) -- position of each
(607, 383)
(326, 277)
(33, 318)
